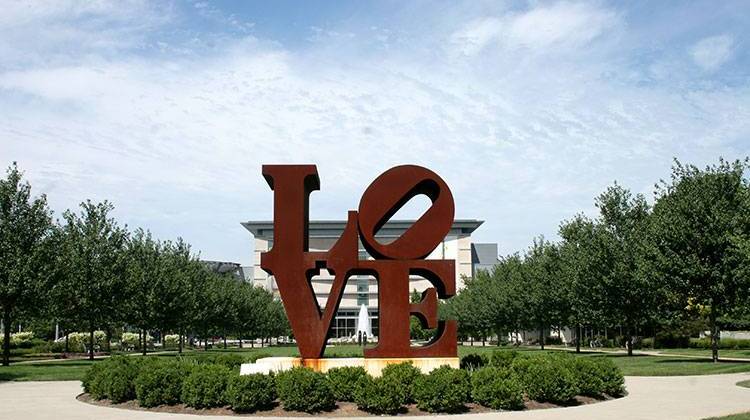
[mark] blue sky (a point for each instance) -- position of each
(527, 109)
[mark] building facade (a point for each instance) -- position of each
(363, 290)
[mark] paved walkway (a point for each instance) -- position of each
(657, 398)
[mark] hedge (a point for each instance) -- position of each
(205, 386)
(547, 378)
(207, 381)
(302, 389)
(114, 378)
(498, 388)
(724, 343)
(444, 390)
(403, 375)
(343, 381)
(383, 395)
(248, 393)
(161, 384)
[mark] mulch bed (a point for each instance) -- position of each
(343, 409)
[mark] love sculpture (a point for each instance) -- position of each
(293, 265)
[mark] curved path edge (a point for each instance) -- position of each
(657, 398)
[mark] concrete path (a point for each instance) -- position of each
(657, 398)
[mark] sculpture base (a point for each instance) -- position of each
(372, 366)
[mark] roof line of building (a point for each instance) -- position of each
(257, 226)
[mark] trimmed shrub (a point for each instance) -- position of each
(343, 381)
(161, 384)
(248, 393)
(171, 341)
(22, 339)
(93, 381)
(79, 341)
(205, 386)
(473, 361)
(611, 376)
(647, 343)
(230, 360)
(589, 376)
(724, 343)
(671, 340)
(403, 375)
(131, 341)
(497, 388)
(379, 395)
(302, 389)
(503, 358)
(547, 378)
(113, 379)
(444, 390)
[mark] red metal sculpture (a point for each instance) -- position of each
(293, 265)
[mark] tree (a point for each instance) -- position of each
(630, 293)
(144, 266)
(581, 268)
(546, 296)
(173, 310)
(25, 227)
(92, 252)
(700, 238)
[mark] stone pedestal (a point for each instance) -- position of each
(372, 366)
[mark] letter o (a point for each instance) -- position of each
(387, 194)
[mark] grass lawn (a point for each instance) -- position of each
(58, 370)
(74, 369)
(741, 416)
(644, 365)
(673, 366)
(742, 354)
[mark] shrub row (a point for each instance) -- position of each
(553, 377)
(724, 343)
(501, 381)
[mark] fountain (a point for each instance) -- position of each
(363, 323)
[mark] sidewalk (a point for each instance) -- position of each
(650, 398)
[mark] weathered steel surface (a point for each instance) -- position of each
(293, 265)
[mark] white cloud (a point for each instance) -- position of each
(558, 25)
(53, 31)
(712, 52)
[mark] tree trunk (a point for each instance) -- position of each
(67, 346)
(225, 341)
(629, 341)
(6, 338)
(240, 340)
(578, 338)
(714, 336)
(109, 339)
(179, 346)
(541, 337)
(143, 350)
(91, 343)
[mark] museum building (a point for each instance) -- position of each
(363, 290)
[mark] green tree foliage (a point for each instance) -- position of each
(25, 228)
(601, 261)
(700, 239)
(91, 254)
(545, 290)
